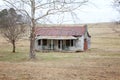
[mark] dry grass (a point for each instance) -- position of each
(101, 62)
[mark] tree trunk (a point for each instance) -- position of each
(32, 35)
(13, 43)
(32, 46)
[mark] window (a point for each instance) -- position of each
(44, 42)
(58, 43)
(67, 42)
(39, 42)
(71, 42)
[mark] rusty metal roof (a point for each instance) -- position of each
(60, 31)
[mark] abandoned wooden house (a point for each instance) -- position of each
(62, 38)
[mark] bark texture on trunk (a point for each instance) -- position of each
(32, 46)
(32, 35)
(13, 43)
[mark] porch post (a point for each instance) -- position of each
(70, 42)
(61, 45)
(41, 44)
(73, 42)
(52, 44)
(65, 44)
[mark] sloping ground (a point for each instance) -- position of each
(101, 62)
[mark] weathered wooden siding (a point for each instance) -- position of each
(80, 44)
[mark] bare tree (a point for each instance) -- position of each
(12, 27)
(40, 9)
(116, 5)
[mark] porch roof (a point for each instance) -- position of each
(56, 37)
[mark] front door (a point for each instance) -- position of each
(85, 44)
(60, 43)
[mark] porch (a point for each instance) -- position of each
(55, 44)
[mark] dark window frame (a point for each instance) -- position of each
(39, 42)
(72, 44)
(44, 42)
(67, 43)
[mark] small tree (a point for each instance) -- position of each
(12, 26)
